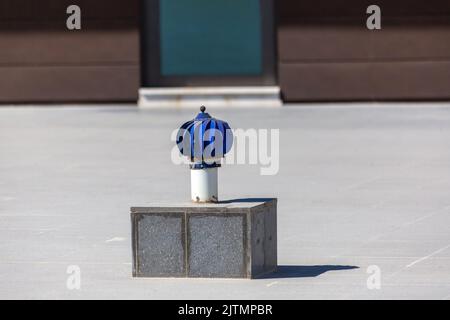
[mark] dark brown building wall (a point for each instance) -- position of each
(42, 61)
(326, 53)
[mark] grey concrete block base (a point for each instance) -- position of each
(231, 239)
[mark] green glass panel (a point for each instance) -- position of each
(210, 37)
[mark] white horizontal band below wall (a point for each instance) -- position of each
(264, 96)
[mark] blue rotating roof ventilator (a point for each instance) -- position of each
(205, 141)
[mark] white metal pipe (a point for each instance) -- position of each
(204, 186)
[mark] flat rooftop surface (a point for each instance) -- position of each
(363, 189)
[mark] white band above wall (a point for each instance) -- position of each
(211, 96)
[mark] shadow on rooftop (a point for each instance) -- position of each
(304, 271)
(293, 271)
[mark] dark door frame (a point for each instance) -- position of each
(150, 53)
